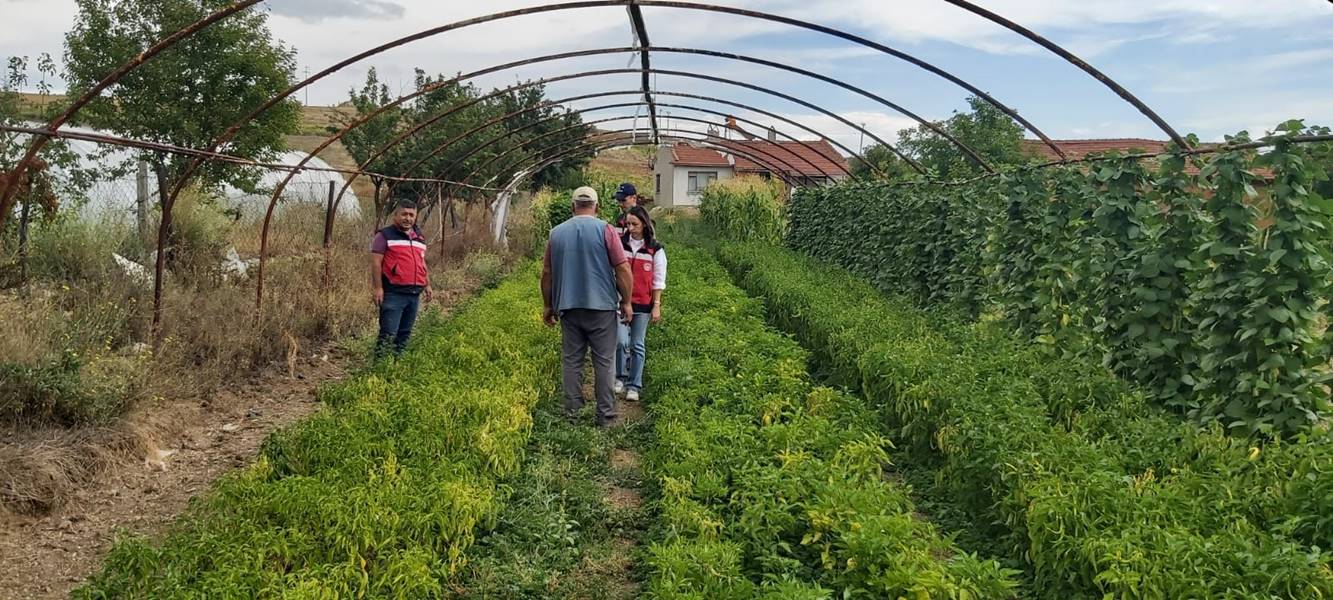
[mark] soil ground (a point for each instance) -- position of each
(48, 556)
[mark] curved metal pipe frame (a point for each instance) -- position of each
(763, 158)
(633, 6)
(236, 127)
(739, 57)
(705, 141)
(603, 145)
(38, 142)
(509, 167)
(332, 139)
(449, 168)
(645, 59)
(9, 191)
(1077, 62)
(775, 158)
(931, 125)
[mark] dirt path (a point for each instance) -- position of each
(623, 494)
(48, 556)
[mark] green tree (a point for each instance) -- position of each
(191, 93)
(54, 180)
(548, 119)
(885, 160)
(986, 129)
(364, 141)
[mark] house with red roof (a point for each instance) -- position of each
(681, 171)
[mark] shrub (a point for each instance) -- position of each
(1207, 288)
(67, 392)
(486, 267)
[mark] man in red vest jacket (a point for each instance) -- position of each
(398, 277)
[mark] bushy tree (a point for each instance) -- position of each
(192, 92)
(986, 129)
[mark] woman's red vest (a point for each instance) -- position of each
(641, 265)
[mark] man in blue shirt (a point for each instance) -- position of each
(586, 284)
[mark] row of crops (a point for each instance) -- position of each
(1206, 282)
(772, 486)
(767, 485)
(379, 495)
(763, 483)
(1076, 475)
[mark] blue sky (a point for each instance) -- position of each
(1209, 67)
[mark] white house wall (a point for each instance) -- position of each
(662, 172)
(681, 183)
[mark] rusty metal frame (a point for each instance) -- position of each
(438, 85)
(710, 142)
(236, 127)
(7, 193)
(928, 124)
(641, 40)
(505, 168)
(775, 158)
(602, 145)
(761, 157)
(472, 152)
(925, 123)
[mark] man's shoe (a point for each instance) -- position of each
(618, 387)
(632, 395)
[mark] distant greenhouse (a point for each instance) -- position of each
(112, 195)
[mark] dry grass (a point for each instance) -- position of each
(36, 476)
(81, 302)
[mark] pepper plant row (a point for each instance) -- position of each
(380, 494)
(770, 486)
(1208, 287)
(1072, 471)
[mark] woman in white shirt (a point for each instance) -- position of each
(648, 262)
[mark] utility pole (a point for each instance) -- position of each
(861, 149)
(307, 88)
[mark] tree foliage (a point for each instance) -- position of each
(476, 131)
(992, 134)
(189, 94)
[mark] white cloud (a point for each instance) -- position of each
(920, 20)
(315, 11)
(1262, 72)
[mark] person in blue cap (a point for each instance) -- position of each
(628, 198)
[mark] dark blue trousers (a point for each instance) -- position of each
(398, 313)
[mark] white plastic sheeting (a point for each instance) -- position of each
(113, 196)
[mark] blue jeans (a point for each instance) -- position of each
(630, 351)
(398, 313)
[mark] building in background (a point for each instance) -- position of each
(681, 171)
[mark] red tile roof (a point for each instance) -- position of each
(684, 155)
(811, 159)
(1082, 148)
(1076, 149)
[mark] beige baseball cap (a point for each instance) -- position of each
(585, 194)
